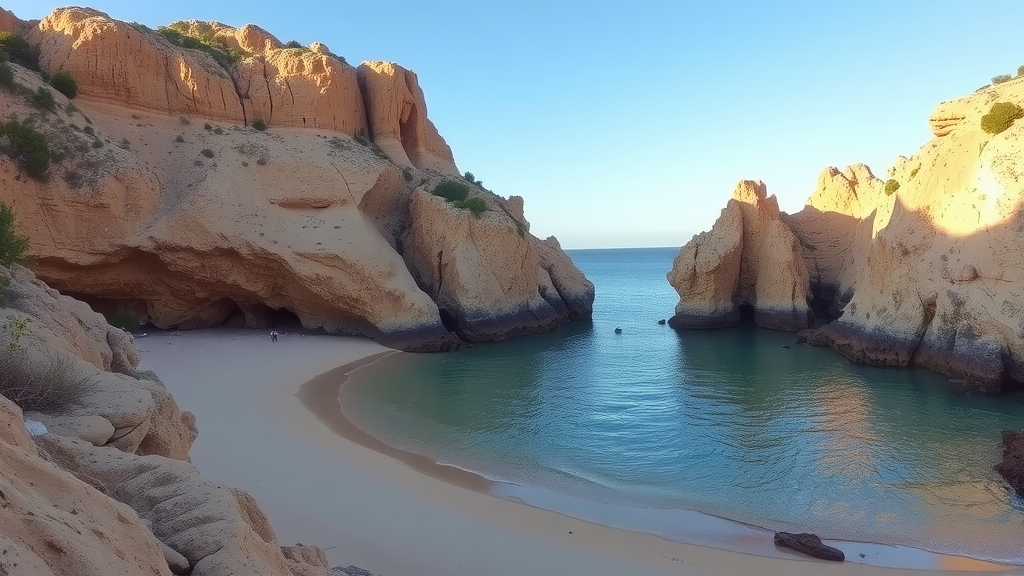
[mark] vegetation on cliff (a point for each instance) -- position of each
(22, 142)
(179, 34)
(13, 247)
(1001, 116)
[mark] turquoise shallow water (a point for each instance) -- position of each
(726, 422)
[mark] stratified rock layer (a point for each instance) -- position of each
(930, 275)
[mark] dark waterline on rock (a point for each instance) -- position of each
(726, 422)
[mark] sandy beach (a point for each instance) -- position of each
(369, 508)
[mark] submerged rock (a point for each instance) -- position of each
(809, 544)
(1012, 466)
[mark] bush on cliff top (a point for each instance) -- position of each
(476, 205)
(891, 186)
(180, 35)
(1020, 71)
(26, 145)
(13, 247)
(1000, 117)
(65, 84)
(1001, 78)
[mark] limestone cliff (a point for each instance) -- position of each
(108, 488)
(924, 269)
(163, 201)
(748, 259)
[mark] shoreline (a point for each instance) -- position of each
(372, 510)
(730, 535)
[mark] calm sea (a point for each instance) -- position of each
(725, 422)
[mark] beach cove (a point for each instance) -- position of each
(377, 512)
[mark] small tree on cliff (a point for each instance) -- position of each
(12, 246)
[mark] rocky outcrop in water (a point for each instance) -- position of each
(750, 258)
(809, 544)
(921, 269)
(1011, 467)
(163, 202)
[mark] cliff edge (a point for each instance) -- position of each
(206, 175)
(921, 269)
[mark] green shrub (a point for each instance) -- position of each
(259, 124)
(293, 44)
(180, 35)
(13, 247)
(126, 321)
(891, 186)
(407, 174)
(4, 56)
(41, 383)
(361, 138)
(218, 130)
(476, 205)
(915, 171)
(469, 177)
(207, 126)
(207, 152)
(179, 139)
(43, 99)
(6, 75)
(1020, 71)
(1001, 78)
(28, 146)
(65, 84)
(451, 190)
(1000, 117)
(89, 130)
(19, 50)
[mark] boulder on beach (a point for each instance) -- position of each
(809, 544)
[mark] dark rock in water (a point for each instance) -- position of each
(618, 330)
(350, 571)
(661, 322)
(786, 346)
(1012, 466)
(810, 545)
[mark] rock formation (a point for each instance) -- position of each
(108, 489)
(809, 544)
(750, 258)
(1011, 467)
(927, 275)
(162, 203)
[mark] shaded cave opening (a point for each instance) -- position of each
(407, 128)
(746, 314)
(260, 316)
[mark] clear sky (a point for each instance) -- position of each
(629, 123)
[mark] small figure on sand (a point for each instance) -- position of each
(273, 335)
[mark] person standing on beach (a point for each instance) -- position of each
(273, 335)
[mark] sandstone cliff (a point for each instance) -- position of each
(162, 201)
(924, 269)
(748, 259)
(108, 489)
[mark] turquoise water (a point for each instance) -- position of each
(726, 422)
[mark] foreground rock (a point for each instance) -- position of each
(193, 219)
(927, 273)
(810, 545)
(1012, 465)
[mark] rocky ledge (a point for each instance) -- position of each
(1012, 465)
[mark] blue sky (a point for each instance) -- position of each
(629, 124)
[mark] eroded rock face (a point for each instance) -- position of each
(398, 117)
(52, 523)
(931, 274)
(148, 211)
(482, 273)
(191, 515)
(750, 258)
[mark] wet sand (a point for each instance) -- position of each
(270, 423)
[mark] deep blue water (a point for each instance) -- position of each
(726, 422)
